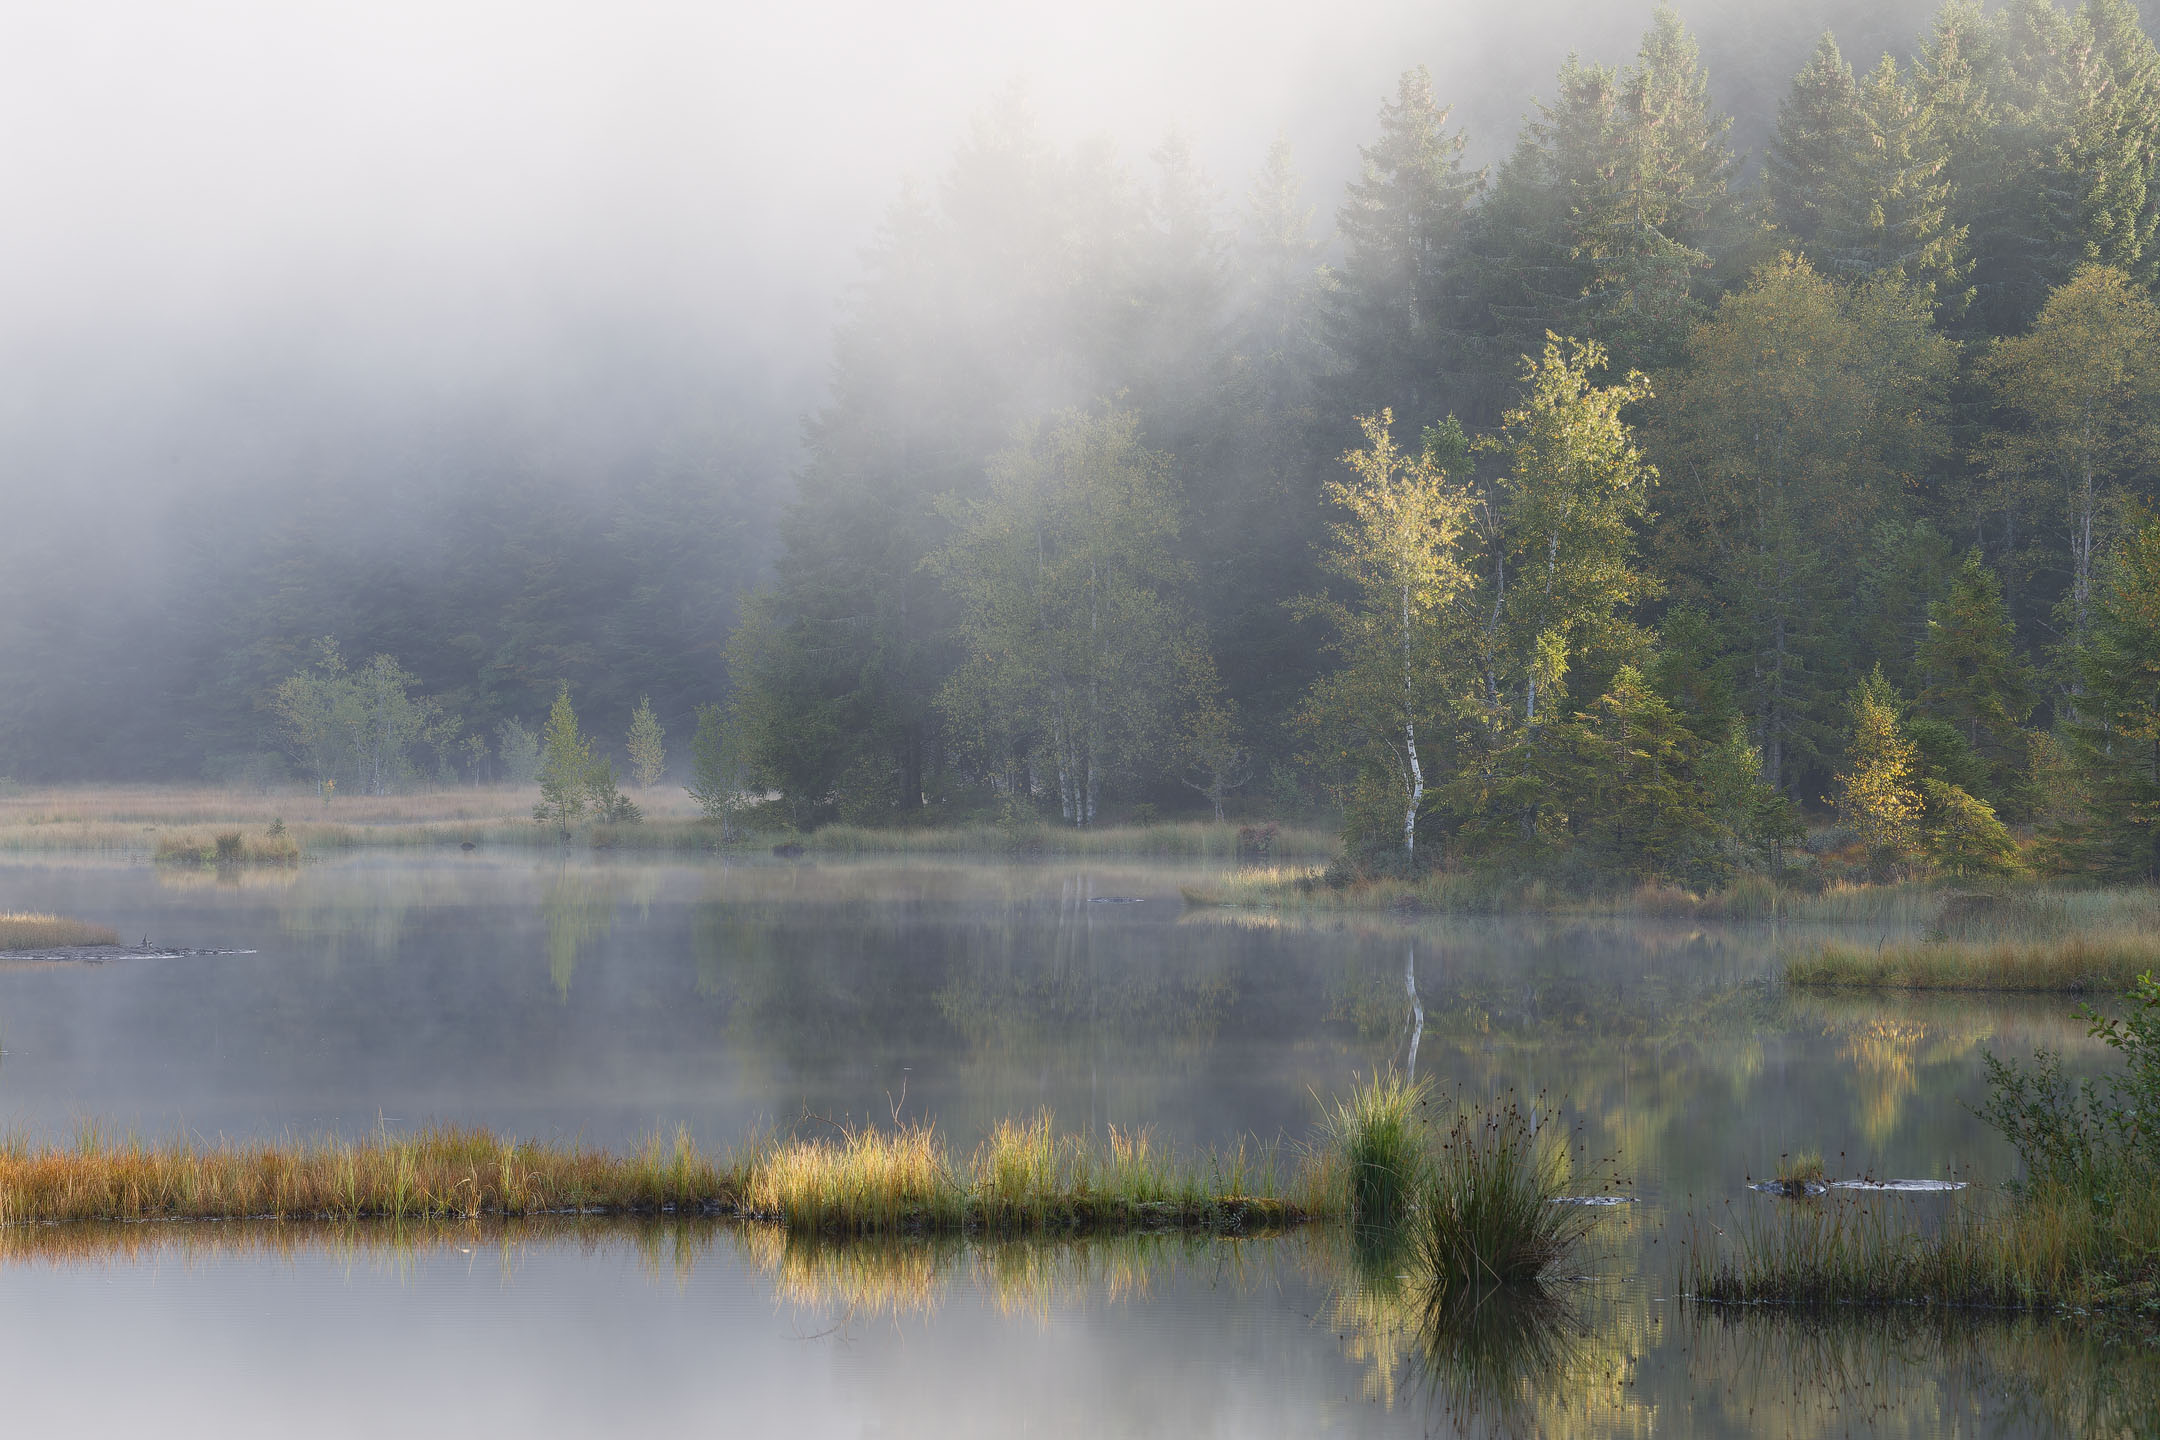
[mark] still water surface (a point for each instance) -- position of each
(610, 1000)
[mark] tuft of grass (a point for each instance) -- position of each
(1494, 1208)
(228, 848)
(2073, 964)
(22, 930)
(1801, 1168)
(1377, 1141)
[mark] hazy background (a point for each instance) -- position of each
(260, 254)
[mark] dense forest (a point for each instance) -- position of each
(1616, 505)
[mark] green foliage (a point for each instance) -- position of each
(647, 744)
(358, 726)
(2114, 725)
(566, 768)
(1877, 798)
(1964, 839)
(719, 776)
(1080, 657)
(1399, 547)
(1971, 672)
(2096, 1139)
(518, 750)
(1494, 1211)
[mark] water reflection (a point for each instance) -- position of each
(1302, 1321)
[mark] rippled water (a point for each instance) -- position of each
(607, 1000)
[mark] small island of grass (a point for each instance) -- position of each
(23, 930)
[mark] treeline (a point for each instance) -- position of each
(1571, 518)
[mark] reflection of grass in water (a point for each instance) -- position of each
(26, 930)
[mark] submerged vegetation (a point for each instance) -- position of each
(21, 930)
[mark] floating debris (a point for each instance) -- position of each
(1117, 899)
(1593, 1200)
(1901, 1187)
(100, 954)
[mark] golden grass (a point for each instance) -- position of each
(1023, 1178)
(1304, 888)
(2045, 1250)
(24, 931)
(2076, 964)
(228, 847)
(1196, 839)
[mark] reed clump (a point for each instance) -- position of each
(1499, 1207)
(26, 930)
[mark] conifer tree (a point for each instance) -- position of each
(1971, 672)
(1394, 314)
(1808, 172)
(1964, 838)
(1643, 810)
(2115, 730)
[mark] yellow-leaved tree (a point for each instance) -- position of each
(1398, 546)
(1876, 796)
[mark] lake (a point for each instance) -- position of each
(608, 1000)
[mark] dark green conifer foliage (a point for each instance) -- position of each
(1608, 217)
(1394, 313)
(1808, 172)
(1972, 674)
(2115, 729)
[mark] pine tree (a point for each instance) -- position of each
(1877, 798)
(1972, 674)
(647, 744)
(1644, 812)
(719, 773)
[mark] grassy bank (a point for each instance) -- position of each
(1306, 889)
(1023, 1179)
(2076, 965)
(24, 931)
(2077, 941)
(185, 824)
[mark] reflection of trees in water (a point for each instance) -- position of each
(1902, 1372)
(578, 907)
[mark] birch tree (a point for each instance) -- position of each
(1399, 547)
(1079, 645)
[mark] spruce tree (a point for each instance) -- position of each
(1808, 172)
(1394, 313)
(2115, 730)
(1972, 674)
